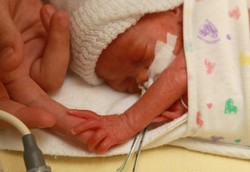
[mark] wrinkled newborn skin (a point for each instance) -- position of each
(124, 65)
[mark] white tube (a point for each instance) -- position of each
(11, 119)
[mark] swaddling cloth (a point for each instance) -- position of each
(217, 49)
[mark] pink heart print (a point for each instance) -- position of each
(209, 105)
(209, 66)
(199, 121)
(235, 13)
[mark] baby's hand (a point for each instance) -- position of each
(107, 130)
(174, 112)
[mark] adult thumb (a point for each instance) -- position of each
(11, 44)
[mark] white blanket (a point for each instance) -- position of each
(74, 90)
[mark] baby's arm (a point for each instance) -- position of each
(115, 129)
(20, 95)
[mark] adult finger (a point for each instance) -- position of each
(49, 71)
(11, 44)
(30, 116)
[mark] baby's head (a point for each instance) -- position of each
(95, 25)
(124, 63)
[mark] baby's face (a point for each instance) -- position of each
(124, 63)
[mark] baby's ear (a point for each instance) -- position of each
(178, 12)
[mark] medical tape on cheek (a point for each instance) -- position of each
(163, 57)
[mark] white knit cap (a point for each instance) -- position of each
(95, 23)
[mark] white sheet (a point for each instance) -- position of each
(75, 89)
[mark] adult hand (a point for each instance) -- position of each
(33, 40)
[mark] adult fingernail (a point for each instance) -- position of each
(49, 11)
(6, 52)
(63, 22)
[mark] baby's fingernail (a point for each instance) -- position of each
(74, 132)
(72, 111)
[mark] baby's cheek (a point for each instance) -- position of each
(118, 86)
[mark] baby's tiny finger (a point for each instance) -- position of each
(87, 114)
(96, 139)
(105, 145)
(85, 126)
